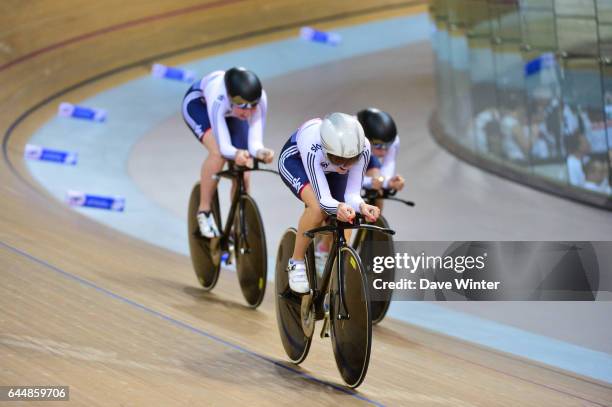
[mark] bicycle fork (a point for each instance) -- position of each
(241, 245)
(342, 311)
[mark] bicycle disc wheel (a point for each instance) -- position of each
(384, 247)
(288, 304)
(205, 253)
(352, 337)
(251, 266)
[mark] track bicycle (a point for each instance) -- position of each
(340, 297)
(383, 246)
(242, 238)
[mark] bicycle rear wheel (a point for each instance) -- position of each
(288, 304)
(352, 337)
(252, 265)
(383, 247)
(205, 253)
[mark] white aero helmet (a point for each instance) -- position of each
(342, 135)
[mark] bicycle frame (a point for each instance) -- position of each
(235, 172)
(338, 228)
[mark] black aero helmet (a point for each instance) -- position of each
(378, 126)
(243, 86)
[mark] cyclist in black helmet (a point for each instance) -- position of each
(226, 111)
(380, 129)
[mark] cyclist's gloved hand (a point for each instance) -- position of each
(397, 182)
(345, 213)
(242, 157)
(369, 212)
(265, 154)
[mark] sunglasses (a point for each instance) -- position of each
(341, 161)
(238, 101)
(380, 144)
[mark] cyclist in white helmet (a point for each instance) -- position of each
(323, 164)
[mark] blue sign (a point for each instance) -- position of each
(111, 203)
(311, 34)
(173, 73)
(544, 61)
(33, 152)
(81, 112)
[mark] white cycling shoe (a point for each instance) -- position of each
(208, 226)
(298, 280)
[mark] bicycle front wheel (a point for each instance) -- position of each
(351, 337)
(251, 252)
(381, 300)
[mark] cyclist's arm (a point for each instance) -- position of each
(216, 113)
(309, 146)
(388, 168)
(368, 179)
(352, 194)
(319, 184)
(256, 125)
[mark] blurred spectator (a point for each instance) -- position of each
(596, 174)
(575, 119)
(544, 123)
(515, 138)
(608, 104)
(494, 137)
(542, 142)
(578, 147)
(479, 126)
(610, 166)
(555, 120)
(574, 116)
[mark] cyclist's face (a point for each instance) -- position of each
(243, 113)
(379, 152)
(343, 164)
(379, 148)
(343, 170)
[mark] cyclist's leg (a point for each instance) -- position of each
(293, 174)
(374, 172)
(211, 165)
(312, 217)
(196, 117)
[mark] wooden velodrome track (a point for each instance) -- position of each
(122, 322)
